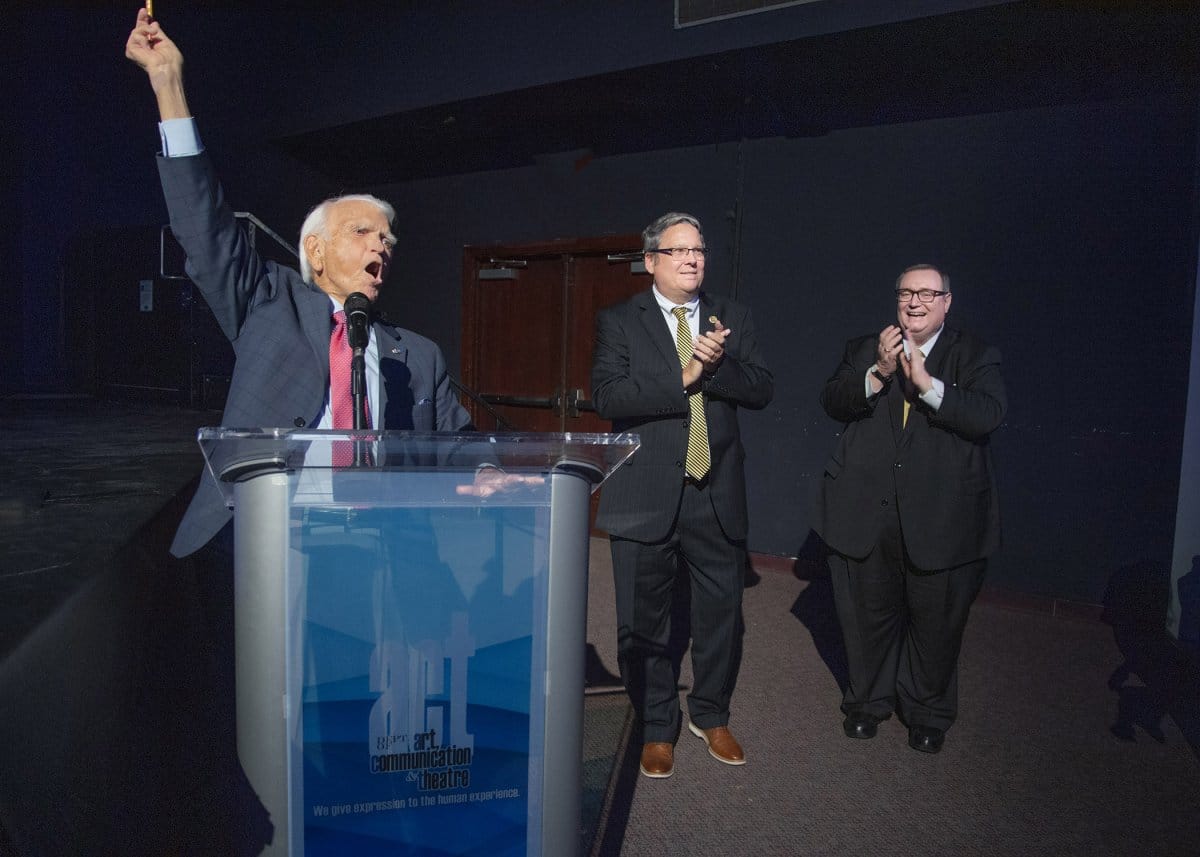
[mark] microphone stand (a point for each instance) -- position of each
(358, 397)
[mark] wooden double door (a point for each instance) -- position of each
(529, 317)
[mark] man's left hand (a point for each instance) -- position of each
(493, 480)
(912, 364)
(709, 349)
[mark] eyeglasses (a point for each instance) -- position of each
(925, 296)
(681, 252)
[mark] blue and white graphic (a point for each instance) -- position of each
(416, 638)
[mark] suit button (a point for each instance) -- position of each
(883, 502)
(898, 465)
(298, 422)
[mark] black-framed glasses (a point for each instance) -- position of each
(682, 252)
(925, 296)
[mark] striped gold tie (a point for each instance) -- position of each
(699, 458)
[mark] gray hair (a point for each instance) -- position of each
(652, 234)
(317, 223)
(926, 267)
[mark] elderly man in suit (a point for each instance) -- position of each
(285, 325)
(908, 504)
(674, 364)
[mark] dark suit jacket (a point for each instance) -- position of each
(636, 384)
(938, 469)
(279, 326)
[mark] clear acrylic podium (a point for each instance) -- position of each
(410, 656)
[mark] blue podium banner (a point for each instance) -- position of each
(416, 639)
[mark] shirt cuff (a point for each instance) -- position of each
(180, 138)
(934, 395)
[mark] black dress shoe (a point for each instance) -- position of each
(859, 724)
(925, 739)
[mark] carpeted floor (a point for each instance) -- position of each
(1032, 767)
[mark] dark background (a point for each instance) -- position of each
(1044, 153)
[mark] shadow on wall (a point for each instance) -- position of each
(1135, 605)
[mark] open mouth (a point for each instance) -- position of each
(375, 269)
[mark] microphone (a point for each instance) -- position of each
(358, 321)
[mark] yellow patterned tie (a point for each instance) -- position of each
(699, 458)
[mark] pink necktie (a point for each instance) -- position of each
(341, 403)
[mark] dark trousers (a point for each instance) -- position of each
(903, 629)
(645, 576)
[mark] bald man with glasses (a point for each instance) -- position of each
(908, 506)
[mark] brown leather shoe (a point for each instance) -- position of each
(658, 759)
(722, 746)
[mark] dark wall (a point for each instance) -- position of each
(1070, 241)
(80, 119)
(1069, 236)
(1069, 232)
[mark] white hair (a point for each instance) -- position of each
(317, 223)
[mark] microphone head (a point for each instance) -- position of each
(358, 320)
(355, 303)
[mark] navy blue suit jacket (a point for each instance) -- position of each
(636, 384)
(938, 469)
(279, 326)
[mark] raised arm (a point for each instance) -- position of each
(221, 262)
(150, 48)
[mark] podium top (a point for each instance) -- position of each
(234, 454)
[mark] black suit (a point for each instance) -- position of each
(657, 519)
(911, 512)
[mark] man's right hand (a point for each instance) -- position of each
(149, 47)
(887, 351)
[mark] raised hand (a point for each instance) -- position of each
(888, 350)
(913, 365)
(158, 56)
(710, 347)
(708, 350)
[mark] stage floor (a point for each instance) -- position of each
(78, 478)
